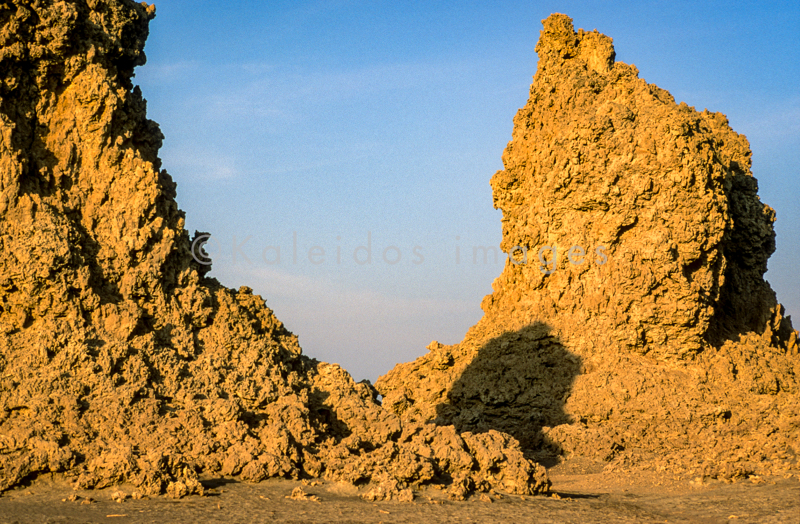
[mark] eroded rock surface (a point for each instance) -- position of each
(119, 360)
(653, 339)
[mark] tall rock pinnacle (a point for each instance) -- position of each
(633, 307)
(601, 159)
(119, 360)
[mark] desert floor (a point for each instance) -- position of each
(582, 493)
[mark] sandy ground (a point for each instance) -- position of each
(582, 494)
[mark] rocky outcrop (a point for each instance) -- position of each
(632, 322)
(120, 361)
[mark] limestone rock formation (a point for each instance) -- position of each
(632, 321)
(120, 361)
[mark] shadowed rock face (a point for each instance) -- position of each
(653, 337)
(119, 360)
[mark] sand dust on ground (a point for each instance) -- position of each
(581, 493)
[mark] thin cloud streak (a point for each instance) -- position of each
(365, 331)
(289, 94)
(199, 163)
(326, 293)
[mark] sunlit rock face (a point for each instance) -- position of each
(119, 360)
(659, 196)
(632, 321)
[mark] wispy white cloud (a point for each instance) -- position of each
(365, 330)
(271, 104)
(200, 163)
(288, 94)
(341, 301)
(167, 72)
(778, 121)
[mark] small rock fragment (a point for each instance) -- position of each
(299, 494)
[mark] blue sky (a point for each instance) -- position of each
(344, 124)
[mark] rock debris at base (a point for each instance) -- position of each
(121, 361)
